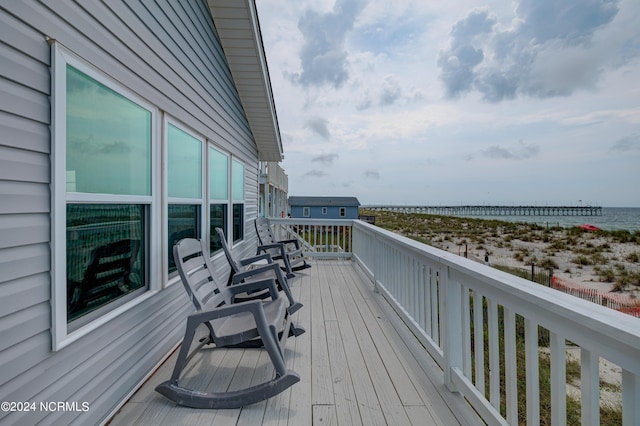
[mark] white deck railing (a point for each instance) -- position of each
(318, 237)
(435, 293)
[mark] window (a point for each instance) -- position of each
(324, 210)
(105, 256)
(343, 211)
(184, 183)
(103, 181)
(218, 195)
(237, 191)
(306, 211)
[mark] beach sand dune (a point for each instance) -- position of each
(606, 261)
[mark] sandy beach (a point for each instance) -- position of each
(602, 260)
(614, 257)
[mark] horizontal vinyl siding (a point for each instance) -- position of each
(168, 54)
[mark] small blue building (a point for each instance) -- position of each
(324, 207)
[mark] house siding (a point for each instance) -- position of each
(315, 212)
(167, 53)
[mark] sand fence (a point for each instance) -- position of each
(619, 302)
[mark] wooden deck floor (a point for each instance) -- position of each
(359, 364)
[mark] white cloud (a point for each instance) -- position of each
(551, 50)
(325, 159)
(627, 144)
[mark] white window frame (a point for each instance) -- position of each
(204, 215)
(61, 336)
(234, 201)
(324, 210)
(306, 211)
(211, 201)
(343, 212)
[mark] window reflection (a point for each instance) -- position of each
(105, 252)
(184, 222)
(238, 222)
(218, 175)
(108, 139)
(184, 165)
(218, 219)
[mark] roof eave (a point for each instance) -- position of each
(239, 31)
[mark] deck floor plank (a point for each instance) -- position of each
(300, 408)
(254, 414)
(358, 364)
(366, 398)
(324, 415)
(322, 390)
(386, 392)
(346, 404)
(371, 316)
(445, 407)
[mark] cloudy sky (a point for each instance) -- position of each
(451, 102)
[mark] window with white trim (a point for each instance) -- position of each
(237, 193)
(218, 195)
(184, 188)
(306, 212)
(103, 191)
(324, 210)
(343, 211)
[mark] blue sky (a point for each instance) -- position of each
(415, 102)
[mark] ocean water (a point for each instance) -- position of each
(613, 218)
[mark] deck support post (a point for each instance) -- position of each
(451, 326)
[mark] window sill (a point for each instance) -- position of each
(99, 322)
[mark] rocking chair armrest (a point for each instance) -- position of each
(293, 241)
(224, 311)
(264, 284)
(241, 276)
(250, 260)
(265, 247)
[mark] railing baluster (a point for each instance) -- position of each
(532, 375)
(478, 341)
(511, 372)
(557, 354)
(630, 398)
(589, 387)
(422, 298)
(494, 354)
(435, 307)
(466, 332)
(429, 302)
(451, 298)
(413, 289)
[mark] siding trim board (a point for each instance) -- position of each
(171, 57)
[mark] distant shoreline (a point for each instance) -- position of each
(612, 219)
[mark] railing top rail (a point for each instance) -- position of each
(305, 221)
(612, 334)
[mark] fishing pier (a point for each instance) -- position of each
(470, 210)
